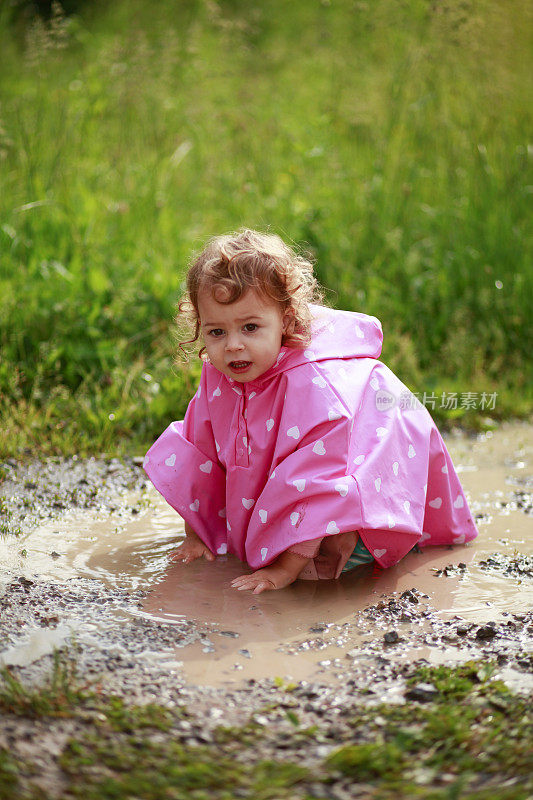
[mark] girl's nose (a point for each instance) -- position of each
(233, 342)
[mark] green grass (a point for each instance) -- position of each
(390, 139)
(476, 727)
(473, 741)
(59, 695)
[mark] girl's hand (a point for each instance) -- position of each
(260, 581)
(191, 548)
(282, 572)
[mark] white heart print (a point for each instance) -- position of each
(319, 448)
(309, 354)
(222, 549)
(379, 553)
(381, 432)
(252, 394)
(195, 506)
(319, 381)
(269, 424)
(395, 467)
(407, 506)
(263, 515)
(294, 517)
(436, 503)
(342, 489)
(459, 502)
(171, 460)
(411, 452)
(264, 551)
(445, 469)
(377, 484)
(459, 539)
(207, 466)
(374, 383)
(217, 392)
(300, 484)
(359, 333)
(294, 432)
(222, 513)
(332, 527)
(359, 460)
(333, 415)
(390, 521)
(247, 502)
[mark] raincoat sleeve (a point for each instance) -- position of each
(184, 467)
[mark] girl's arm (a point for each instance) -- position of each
(191, 548)
(282, 572)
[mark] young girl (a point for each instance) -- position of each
(298, 452)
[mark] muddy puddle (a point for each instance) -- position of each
(311, 627)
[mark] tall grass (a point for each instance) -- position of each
(389, 139)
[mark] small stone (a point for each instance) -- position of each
(391, 637)
(53, 554)
(486, 632)
(422, 692)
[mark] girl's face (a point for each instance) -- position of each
(242, 339)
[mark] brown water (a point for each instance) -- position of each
(133, 553)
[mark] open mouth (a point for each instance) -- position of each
(240, 366)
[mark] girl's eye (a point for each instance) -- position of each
(216, 332)
(250, 327)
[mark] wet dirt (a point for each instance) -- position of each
(103, 574)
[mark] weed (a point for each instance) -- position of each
(128, 719)
(61, 693)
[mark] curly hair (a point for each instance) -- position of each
(231, 264)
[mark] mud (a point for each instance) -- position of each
(91, 570)
(84, 567)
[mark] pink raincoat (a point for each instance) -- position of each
(327, 442)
